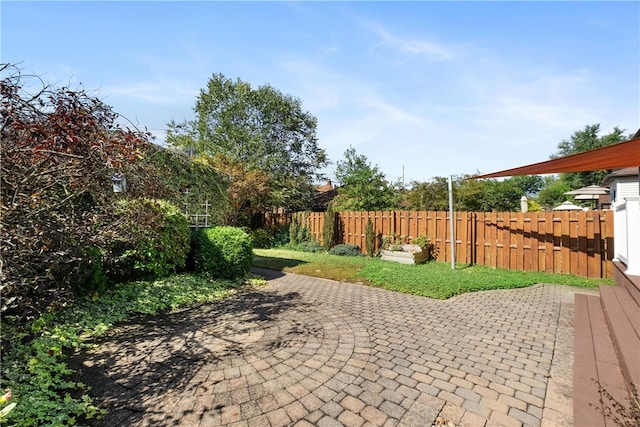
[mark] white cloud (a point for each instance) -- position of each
(412, 46)
(164, 92)
(488, 113)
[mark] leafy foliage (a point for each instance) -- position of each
(370, 238)
(293, 232)
(248, 189)
(308, 246)
(427, 246)
(363, 186)
(585, 140)
(269, 237)
(299, 228)
(346, 249)
(528, 184)
(553, 193)
(151, 238)
(34, 364)
(91, 278)
(329, 228)
(431, 195)
(261, 129)
(221, 252)
(38, 376)
(473, 195)
(492, 195)
(182, 180)
(59, 151)
(300, 234)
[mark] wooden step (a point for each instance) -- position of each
(633, 286)
(631, 283)
(623, 319)
(595, 363)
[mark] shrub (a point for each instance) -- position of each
(151, 239)
(329, 228)
(280, 235)
(310, 246)
(370, 239)
(346, 249)
(293, 231)
(183, 180)
(269, 237)
(299, 228)
(59, 150)
(90, 277)
(261, 238)
(221, 252)
(427, 246)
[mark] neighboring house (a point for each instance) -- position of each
(324, 194)
(623, 183)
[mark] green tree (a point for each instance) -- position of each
(585, 140)
(553, 192)
(247, 190)
(493, 195)
(363, 186)
(503, 196)
(262, 129)
(430, 196)
(471, 195)
(528, 184)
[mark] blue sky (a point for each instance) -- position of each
(431, 88)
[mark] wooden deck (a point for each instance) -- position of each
(606, 349)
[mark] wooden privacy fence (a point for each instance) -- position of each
(571, 242)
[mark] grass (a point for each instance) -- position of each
(434, 279)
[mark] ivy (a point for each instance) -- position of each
(34, 363)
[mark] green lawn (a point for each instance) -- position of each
(434, 279)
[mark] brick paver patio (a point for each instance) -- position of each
(305, 351)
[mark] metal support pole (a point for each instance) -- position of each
(451, 229)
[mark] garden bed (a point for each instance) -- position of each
(410, 254)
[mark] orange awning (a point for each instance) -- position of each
(620, 155)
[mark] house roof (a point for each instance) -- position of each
(324, 188)
(324, 194)
(621, 155)
(624, 172)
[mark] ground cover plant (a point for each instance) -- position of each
(35, 366)
(433, 279)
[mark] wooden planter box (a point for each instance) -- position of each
(410, 254)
